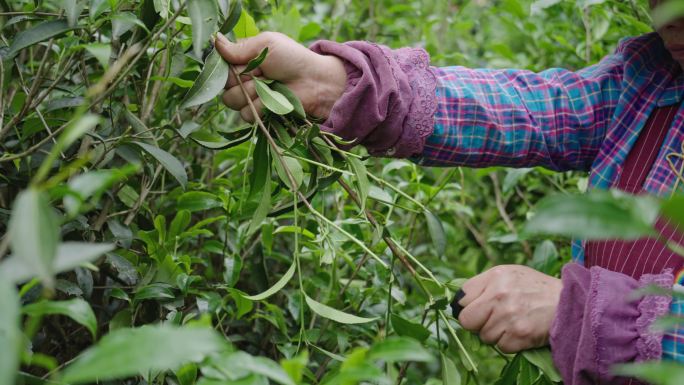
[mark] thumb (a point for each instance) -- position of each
(243, 51)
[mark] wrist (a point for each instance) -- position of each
(329, 84)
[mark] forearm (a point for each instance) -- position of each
(396, 105)
(389, 101)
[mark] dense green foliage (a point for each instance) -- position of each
(151, 233)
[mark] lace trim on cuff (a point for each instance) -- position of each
(650, 308)
(419, 124)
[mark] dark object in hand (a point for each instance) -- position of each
(456, 308)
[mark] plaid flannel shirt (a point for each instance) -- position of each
(562, 120)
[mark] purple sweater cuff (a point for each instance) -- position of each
(389, 102)
(598, 323)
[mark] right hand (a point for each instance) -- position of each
(318, 80)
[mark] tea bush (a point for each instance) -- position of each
(151, 236)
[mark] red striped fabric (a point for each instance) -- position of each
(644, 256)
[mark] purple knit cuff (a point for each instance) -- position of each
(599, 324)
(389, 102)
(651, 307)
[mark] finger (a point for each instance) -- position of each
(493, 330)
(474, 316)
(244, 50)
(246, 112)
(474, 288)
(234, 98)
(232, 80)
(509, 344)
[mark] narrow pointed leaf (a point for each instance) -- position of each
(436, 231)
(394, 349)
(291, 97)
(598, 215)
(34, 233)
(274, 101)
(129, 352)
(38, 33)
(238, 362)
(450, 374)
(362, 184)
(72, 9)
(168, 161)
(407, 328)
(76, 309)
(256, 62)
(204, 17)
(277, 286)
(10, 332)
(326, 311)
(70, 255)
(541, 358)
(233, 17)
(295, 169)
(209, 83)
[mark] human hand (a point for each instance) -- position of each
(318, 80)
(511, 306)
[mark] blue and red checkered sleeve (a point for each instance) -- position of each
(673, 338)
(518, 118)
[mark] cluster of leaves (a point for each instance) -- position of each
(150, 234)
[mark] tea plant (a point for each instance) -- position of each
(149, 235)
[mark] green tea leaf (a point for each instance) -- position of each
(162, 7)
(233, 17)
(123, 22)
(197, 201)
(397, 349)
(261, 166)
(436, 232)
(69, 256)
(261, 184)
(450, 374)
(674, 209)
(277, 286)
(168, 161)
(209, 83)
(245, 26)
(76, 309)
(291, 97)
(76, 130)
(593, 216)
(157, 290)
(10, 332)
(509, 374)
(36, 34)
(362, 184)
(295, 168)
(34, 233)
(541, 358)
(656, 372)
(101, 52)
(129, 352)
(256, 62)
(334, 314)
(72, 10)
(274, 101)
(238, 362)
(204, 17)
(221, 142)
(407, 328)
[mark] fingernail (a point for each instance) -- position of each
(222, 38)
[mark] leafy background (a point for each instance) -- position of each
(149, 235)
